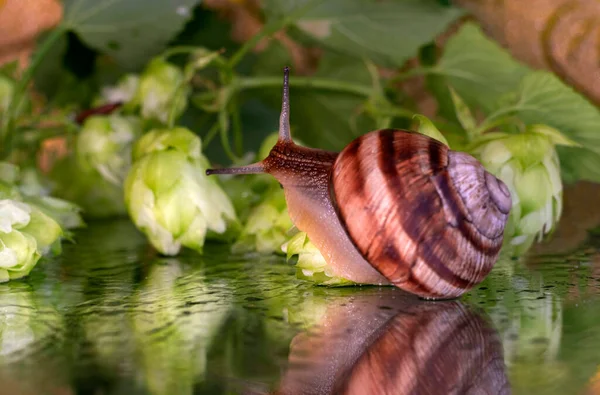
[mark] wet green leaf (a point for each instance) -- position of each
(119, 28)
(387, 33)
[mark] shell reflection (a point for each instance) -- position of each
(383, 343)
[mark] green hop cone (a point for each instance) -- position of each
(65, 213)
(26, 186)
(528, 164)
(18, 255)
(158, 91)
(311, 264)
(44, 229)
(104, 144)
(169, 196)
(266, 227)
(93, 175)
(87, 188)
(124, 91)
(26, 234)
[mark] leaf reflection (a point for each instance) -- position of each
(381, 342)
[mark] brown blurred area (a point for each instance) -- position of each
(594, 387)
(580, 213)
(558, 35)
(21, 22)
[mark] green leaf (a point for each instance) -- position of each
(9, 69)
(556, 137)
(66, 85)
(123, 30)
(578, 164)
(544, 99)
(331, 120)
(478, 69)
(463, 114)
(51, 74)
(387, 33)
(427, 128)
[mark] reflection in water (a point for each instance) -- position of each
(108, 317)
(381, 342)
(31, 332)
(174, 318)
(528, 314)
(531, 327)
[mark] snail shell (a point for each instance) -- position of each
(430, 219)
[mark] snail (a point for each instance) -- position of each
(393, 207)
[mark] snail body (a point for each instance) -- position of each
(394, 207)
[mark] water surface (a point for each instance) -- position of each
(109, 316)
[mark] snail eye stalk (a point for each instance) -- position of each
(284, 133)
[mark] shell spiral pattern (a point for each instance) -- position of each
(431, 220)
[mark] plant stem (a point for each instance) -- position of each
(212, 132)
(417, 71)
(237, 128)
(268, 30)
(224, 130)
(8, 121)
(179, 50)
(495, 119)
(306, 83)
(174, 104)
(396, 112)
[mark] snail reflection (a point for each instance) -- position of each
(384, 343)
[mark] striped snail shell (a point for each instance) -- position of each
(394, 207)
(430, 219)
